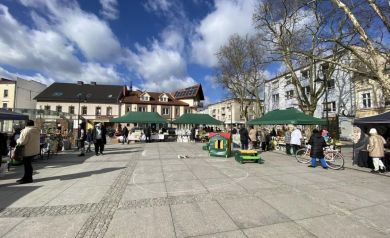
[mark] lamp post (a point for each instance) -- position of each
(80, 96)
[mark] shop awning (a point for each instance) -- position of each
(287, 116)
(199, 119)
(383, 118)
(140, 117)
(9, 115)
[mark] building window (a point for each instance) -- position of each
(163, 99)
(290, 94)
(141, 109)
(275, 98)
(275, 84)
(331, 83)
(5, 105)
(128, 109)
(305, 74)
(144, 98)
(109, 111)
(165, 110)
(306, 90)
(5, 93)
(187, 110)
(71, 109)
(154, 109)
(331, 107)
(288, 80)
(366, 100)
(47, 108)
(84, 110)
(98, 111)
(59, 109)
(177, 111)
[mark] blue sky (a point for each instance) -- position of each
(159, 45)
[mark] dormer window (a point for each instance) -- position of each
(145, 98)
(163, 99)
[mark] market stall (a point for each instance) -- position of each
(194, 119)
(360, 154)
(142, 118)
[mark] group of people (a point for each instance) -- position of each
(97, 136)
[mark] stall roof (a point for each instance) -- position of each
(287, 116)
(140, 117)
(383, 118)
(9, 115)
(200, 119)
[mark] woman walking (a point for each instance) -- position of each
(376, 151)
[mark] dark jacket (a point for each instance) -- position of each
(317, 143)
(244, 136)
(125, 132)
(103, 135)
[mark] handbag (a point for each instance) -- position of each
(18, 153)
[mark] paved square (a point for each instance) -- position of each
(144, 190)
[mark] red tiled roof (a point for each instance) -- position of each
(134, 98)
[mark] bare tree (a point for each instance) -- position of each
(239, 71)
(292, 31)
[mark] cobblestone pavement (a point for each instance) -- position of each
(144, 190)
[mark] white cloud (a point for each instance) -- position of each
(169, 84)
(109, 9)
(36, 77)
(228, 18)
(46, 51)
(92, 36)
(211, 80)
(158, 5)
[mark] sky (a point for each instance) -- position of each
(157, 45)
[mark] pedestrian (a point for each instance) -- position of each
(376, 150)
(244, 137)
(89, 139)
(29, 139)
(148, 134)
(296, 136)
(125, 134)
(99, 137)
(287, 139)
(252, 137)
(317, 144)
(234, 131)
(262, 138)
(82, 140)
(192, 134)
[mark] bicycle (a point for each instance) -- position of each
(333, 158)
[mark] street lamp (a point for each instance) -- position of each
(80, 97)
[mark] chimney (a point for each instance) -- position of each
(125, 91)
(80, 82)
(93, 83)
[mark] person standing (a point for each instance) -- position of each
(287, 140)
(192, 135)
(253, 137)
(244, 137)
(99, 137)
(89, 139)
(317, 144)
(376, 150)
(125, 134)
(82, 139)
(262, 137)
(296, 136)
(148, 134)
(30, 139)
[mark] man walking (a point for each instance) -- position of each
(125, 134)
(30, 139)
(244, 136)
(99, 138)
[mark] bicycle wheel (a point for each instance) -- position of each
(303, 156)
(336, 161)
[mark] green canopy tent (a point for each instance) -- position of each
(140, 117)
(287, 116)
(200, 119)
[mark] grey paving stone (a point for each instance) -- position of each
(296, 205)
(174, 167)
(63, 226)
(228, 234)
(221, 185)
(255, 183)
(292, 180)
(140, 178)
(142, 191)
(207, 173)
(176, 188)
(7, 224)
(338, 226)
(200, 218)
(252, 212)
(75, 195)
(179, 175)
(370, 194)
(144, 222)
(280, 230)
(375, 216)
